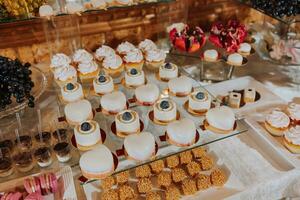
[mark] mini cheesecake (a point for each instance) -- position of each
(165, 111)
(235, 59)
(79, 111)
(277, 122)
(181, 86)
(72, 92)
(168, 71)
(134, 77)
(210, 55)
(147, 95)
(292, 139)
(127, 123)
(220, 120)
(140, 147)
(87, 134)
(199, 102)
(103, 84)
(113, 103)
(245, 49)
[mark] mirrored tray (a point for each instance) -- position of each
(40, 83)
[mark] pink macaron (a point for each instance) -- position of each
(48, 183)
(32, 185)
(34, 196)
(12, 196)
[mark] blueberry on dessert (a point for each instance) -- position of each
(164, 104)
(102, 79)
(127, 116)
(133, 71)
(200, 95)
(70, 86)
(168, 66)
(86, 126)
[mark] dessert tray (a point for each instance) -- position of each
(65, 181)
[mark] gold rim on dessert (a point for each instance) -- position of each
(164, 79)
(113, 129)
(84, 148)
(160, 122)
(195, 112)
(93, 93)
(196, 139)
(207, 126)
(179, 95)
(132, 86)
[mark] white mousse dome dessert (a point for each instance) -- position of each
(113, 103)
(277, 122)
(211, 55)
(181, 86)
(244, 49)
(140, 147)
(168, 71)
(78, 112)
(127, 122)
(72, 92)
(87, 135)
(165, 111)
(97, 163)
(134, 77)
(235, 59)
(181, 132)
(147, 95)
(292, 139)
(220, 120)
(199, 102)
(103, 84)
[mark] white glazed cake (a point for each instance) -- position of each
(168, 71)
(127, 122)
(134, 77)
(165, 110)
(181, 132)
(249, 94)
(235, 59)
(78, 112)
(235, 99)
(181, 86)
(211, 55)
(97, 163)
(294, 111)
(199, 101)
(220, 119)
(292, 139)
(277, 122)
(113, 103)
(103, 84)
(87, 134)
(244, 48)
(72, 92)
(147, 94)
(140, 146)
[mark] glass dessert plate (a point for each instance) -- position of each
(40, 83)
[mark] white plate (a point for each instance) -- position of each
(267, 96)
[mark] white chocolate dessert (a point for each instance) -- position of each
(127, 122)
(249, 95)
(165, 111)
(97, 163)
(181, 132)
(72, 92)
(140, 147)
(294, 111)
(147, 45)
(103, 84)
(113, 103)
(220, 120)
(235, 59)
(211, 55)
(147, 95)
(277, 122)
(234, 99)
(168, 71)
(78, 112)
(87, 134)
(199, 101)
(103, 52)
(245, 48)
(134, 77)
(292, 139)
(181, 86)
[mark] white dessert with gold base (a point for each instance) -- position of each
(147, 95)
(211, 55)
(292, 139)
(199, 102)
(72, 92)
(277, 122)
(140, 147)
(127, 123)
(235, 59)
(78, 112)
(113, 103)
(294, 112)
(181, 86)
(168, 71)
(134, 77)
(87, 135)
(245, 49)
(165, 111)
(103, 84)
